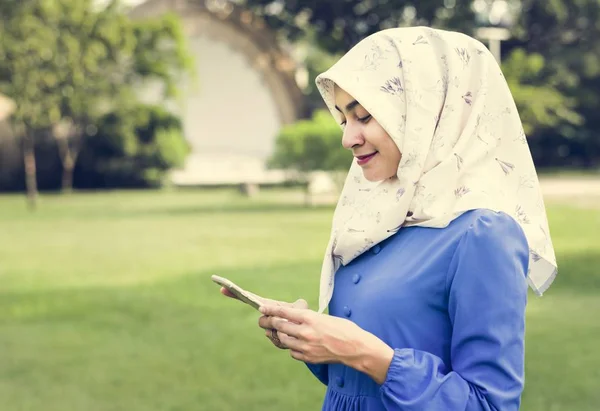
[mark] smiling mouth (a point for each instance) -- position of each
(365, 159)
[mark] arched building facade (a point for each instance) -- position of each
(246, 89)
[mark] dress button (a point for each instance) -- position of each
(356, 278)
(347, 311)
(339, 381)
(376, 249)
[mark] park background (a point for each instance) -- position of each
(146, 145)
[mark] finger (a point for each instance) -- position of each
(286, 327)
(275, 338)
(227, 293)
(300, 304)
(297, 355)
(265, 322)
(268, 301)
(269, 333)
(279, 333)
(292, 314)
(262, 300)
(291, 342)
(275, 341)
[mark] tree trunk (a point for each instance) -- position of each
(308, 198)
(68, 158)
(30, 170)
(67, 176)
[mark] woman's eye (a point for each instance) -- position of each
(364, 119)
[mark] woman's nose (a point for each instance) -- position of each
(352, 137)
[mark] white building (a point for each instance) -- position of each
(245, 91)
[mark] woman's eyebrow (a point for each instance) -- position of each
(349, 106)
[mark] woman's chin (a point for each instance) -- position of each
(374, 176)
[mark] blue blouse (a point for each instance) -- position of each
(451, 303)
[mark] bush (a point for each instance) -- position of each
(132, 148)
(310, 145)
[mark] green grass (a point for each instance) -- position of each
(106, 304)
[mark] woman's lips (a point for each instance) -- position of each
(362, 160)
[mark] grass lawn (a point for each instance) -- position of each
(106, 303)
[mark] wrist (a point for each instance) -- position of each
(374, 359)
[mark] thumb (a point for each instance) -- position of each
(301, 304)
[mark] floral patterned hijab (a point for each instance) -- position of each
(442, 98)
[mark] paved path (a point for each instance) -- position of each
(584, 191)
(569, 186)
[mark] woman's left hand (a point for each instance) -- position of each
(318, 338)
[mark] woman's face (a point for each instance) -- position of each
(372, 146)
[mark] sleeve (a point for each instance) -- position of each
(487, 296)
(321, 371)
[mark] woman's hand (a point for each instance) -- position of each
(264, 321)
(319, 338)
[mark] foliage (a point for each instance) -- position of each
(541, 105)
(552, 61)
(339, 24)
(564, 33)
(133, 147)
(66, 63)
(309, 145)
(315, 61)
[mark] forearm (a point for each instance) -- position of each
(373, 358)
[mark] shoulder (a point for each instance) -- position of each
(485, 225)
(471, 232)
(489, 225)
(483, 217)
(493, 242)
(491, 259)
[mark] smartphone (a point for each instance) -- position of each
(245, 296)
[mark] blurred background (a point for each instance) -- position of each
(145, 145)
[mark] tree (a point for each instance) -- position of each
(116, 54)
(90, 50)
(28, 76)
(564, 34)
(66, 62)
(337, 25)
(541, 105)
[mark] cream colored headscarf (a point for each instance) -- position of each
(442, 98)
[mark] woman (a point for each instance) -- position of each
(439, 229)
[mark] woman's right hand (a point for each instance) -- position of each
(271, 333)
(264, 322)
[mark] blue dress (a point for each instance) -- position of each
(451, 303)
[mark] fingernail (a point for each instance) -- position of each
(262, 309)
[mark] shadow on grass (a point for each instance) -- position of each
(177, 343)
(170, 345)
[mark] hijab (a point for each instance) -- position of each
(442, 98)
